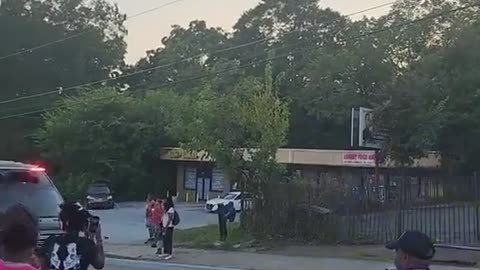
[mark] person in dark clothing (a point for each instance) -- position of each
(230, 212)
(78, 247)
(168, 226)
(222, 221)
(18, 238)
(414, 251)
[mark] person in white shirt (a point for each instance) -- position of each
(168, 226)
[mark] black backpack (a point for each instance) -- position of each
(176, 218)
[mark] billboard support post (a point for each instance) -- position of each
(377, 173)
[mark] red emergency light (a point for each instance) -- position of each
(37, 169)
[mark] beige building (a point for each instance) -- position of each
(198, 179)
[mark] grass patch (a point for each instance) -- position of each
(208, 238)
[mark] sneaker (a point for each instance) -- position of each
(162, 255)
(154, 245)
(168, 257)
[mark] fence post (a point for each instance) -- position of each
(477, 223)
(400, 205)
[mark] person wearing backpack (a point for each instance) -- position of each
(169, 221)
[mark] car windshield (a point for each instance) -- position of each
(32, 189)
(230, 196)
(98, 190)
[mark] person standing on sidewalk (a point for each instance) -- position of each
(148, 218)
(222, 222)
(157, 216)
(414, 251)
(168, 227)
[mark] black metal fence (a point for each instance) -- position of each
(372, 210)
(446, 208)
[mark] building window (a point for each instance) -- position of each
(190, 178)
(218, 180)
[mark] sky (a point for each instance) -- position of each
(145, 32)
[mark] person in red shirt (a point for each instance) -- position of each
(157, 215)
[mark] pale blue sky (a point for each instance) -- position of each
(145, 32)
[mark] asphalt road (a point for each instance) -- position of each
(126, 223)
(117, 264)
(325, 264)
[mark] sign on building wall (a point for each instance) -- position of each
(359, 158)
(218, 180)
(364, 133)
(190, 178)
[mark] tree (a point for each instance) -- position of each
(185, 54)
(241, 131)
(433, 107)
(101, 134)
(89, 57)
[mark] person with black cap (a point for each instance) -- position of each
(414, 251)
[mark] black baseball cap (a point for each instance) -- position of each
(414, 243)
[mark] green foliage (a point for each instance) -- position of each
(26, 24)
(241, 131)
(99, 135)
(207, 237)
(434, 105)
(421, 79)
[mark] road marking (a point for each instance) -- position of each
(191, 266)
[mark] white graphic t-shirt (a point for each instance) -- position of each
(68, 252)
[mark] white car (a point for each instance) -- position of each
(234, 196)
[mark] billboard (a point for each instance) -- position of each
(364, 134)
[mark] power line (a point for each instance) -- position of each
(35, 48)
(185, 59)
(384, 29)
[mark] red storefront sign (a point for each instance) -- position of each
(363, 158)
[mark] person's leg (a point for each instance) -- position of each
(226, 229)
(166, 244)
(155, 237)
(150, 233)
(160, 239)
(220, 228)
(223, 230)
(168, 241)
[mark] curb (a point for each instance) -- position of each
(199, 266)
(140, 258)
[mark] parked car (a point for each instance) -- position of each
(235, 197)
(30, 186)
(99, 195)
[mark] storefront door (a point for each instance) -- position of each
(203, 188)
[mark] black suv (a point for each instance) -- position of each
(99, 195)
(30, 186)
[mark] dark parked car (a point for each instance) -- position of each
(99, 195)
(30, 186)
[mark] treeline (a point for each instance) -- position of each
(417, 67)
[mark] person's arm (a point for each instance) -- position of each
(98, 260)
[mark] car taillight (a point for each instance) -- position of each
(37, 169)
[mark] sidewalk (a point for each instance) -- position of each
(309, 258)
